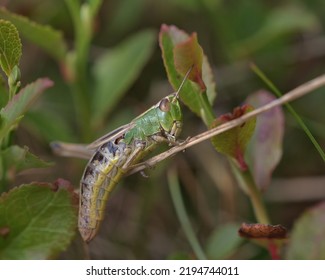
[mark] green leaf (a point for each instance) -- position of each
(10, 46)
(37, 221)
(190, 93)
(181, 51)
(307, 237)
(16, 159)
(265, 149)
(117, 69)
(208, 79)
(21, 102)
(47, 38)
(233, 142)
(223, 242)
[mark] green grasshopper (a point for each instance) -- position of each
(116, 153)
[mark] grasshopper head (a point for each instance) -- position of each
(169, 112)
(170, 116)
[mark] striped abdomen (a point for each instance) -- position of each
(102, 173)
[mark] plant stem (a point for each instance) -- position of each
(182, 215)
(249, 187)
(82, 108)
(82, 20)
(207, 115)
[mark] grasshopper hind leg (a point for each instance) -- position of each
(135, 155)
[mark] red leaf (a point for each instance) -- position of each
(262, 231)
(266, 146)
(234, 141)
(187, 53)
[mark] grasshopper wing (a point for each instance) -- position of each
(71, 150)
(112, 135)
(86, 151)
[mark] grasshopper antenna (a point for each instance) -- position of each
(182, 83)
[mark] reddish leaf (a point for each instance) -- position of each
(270, 236)
(177, 35)
(180, 51)
(234, 141)
(187, 54)
(262, 231)
(265, 149)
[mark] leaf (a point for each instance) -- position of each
(39, 220)
(117, 69)
(208, 79)
(223, 242)
(10, 46)
(21, 102)
(234, 141)
(262, 231)
(16, 159)
(47, 38)
(265, 149)
(189, 53)
(307, 237)
(180, 51)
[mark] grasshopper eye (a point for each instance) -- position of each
(164, 105)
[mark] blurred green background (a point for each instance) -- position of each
(284, 38)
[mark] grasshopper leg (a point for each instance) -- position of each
(139, 147)
(169, 139)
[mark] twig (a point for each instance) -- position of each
(290, 96)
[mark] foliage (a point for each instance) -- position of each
(180, 52)
(10, 47)
(108, 71)
(233, 142)
(44, 36)
(37, 220)
(266, 144)
(306, 241)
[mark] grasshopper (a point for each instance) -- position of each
(116, 153)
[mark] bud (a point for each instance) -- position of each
(14, 78)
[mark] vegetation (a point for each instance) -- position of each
(101, 64)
